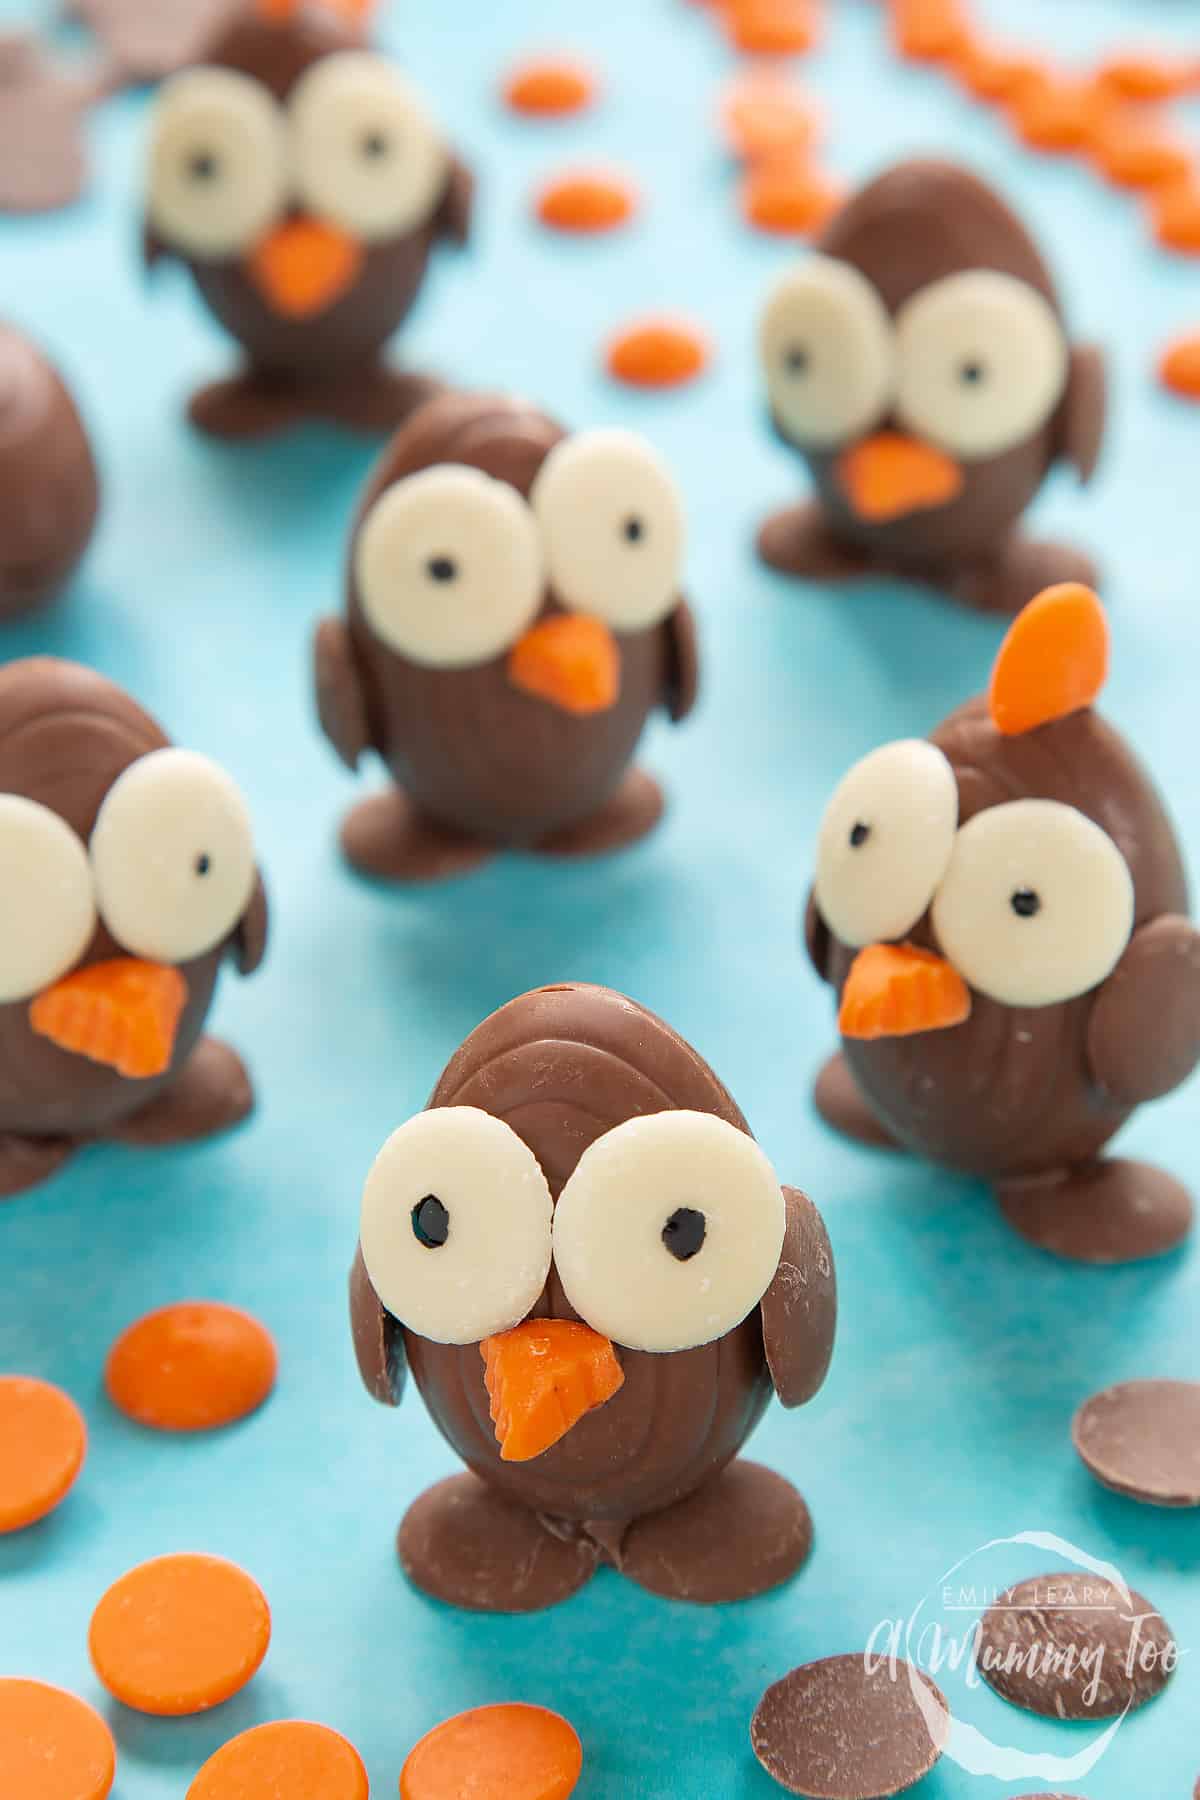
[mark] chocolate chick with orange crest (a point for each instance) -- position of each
(598, 1282)
(1002, 911)
(301, 179)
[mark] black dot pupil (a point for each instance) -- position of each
(430, 1222)
(972, 373)
(634, 530)
(797, 360)
(375, 145)
(1025, 903)
(684, 1233)
(442, 568)
(203, 863)
(202, 165)
(859, 833)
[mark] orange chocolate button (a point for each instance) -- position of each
(191, 1367)
(290, 1760)
(43, 1441)
(179, 1635)
(495, 1753)
(52, 1745)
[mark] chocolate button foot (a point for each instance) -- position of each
(468, 1546)
(1007, 582)
(386, 838)
(798, 541)
(840, 1103)
(244, 408)
(211, 1093)
(374, 399)
(1108, 1212)
(741, 1534)
(27, 1162)
(629, 816)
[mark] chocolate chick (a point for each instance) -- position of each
(921, 365)
(49, 491)
(513, 618)
(1001, 911)
(300, 179)
(598, 1282)
(129, 876)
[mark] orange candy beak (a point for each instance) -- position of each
(889, 475)
(570, 660)
(303, 266)
(124, 1014)
(896, 990)
(541, 1378)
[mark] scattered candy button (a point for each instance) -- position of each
(179, 1635)
(191, 1367)
(45, 1442)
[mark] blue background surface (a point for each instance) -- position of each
(963, 1353)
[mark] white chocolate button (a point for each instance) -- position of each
(449, 567)
(885, 842)
(1037, 904)
(173, 856)
(217, 174)
(675, 1178)
(826, 344)
(982, 362)
(367, 154)
(611, 518)
(47, 909)
(494, 1225)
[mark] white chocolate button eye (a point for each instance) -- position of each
(669, 1231)
(449, 567)
(366, 153)
(885, 842)
(611, 518)
(825, 339)
(173, 856)
(982, 362)
(455, 1228)
(217, 164)
(1037, 904)
(47, 910)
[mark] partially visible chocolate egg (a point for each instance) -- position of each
(49, 489)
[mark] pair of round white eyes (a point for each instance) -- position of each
(356, 145)
(170, 870)
(667, 1234)
(1031, 901)
(451, 565)
(976, 362)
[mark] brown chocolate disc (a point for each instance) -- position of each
(1123, 1213)
(1072, 1646)
(835, 1731)
(1142, 1438)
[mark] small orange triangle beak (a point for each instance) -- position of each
(890, 475)
(896, 990)
(542, 1377)
(571, 660)
(303, 266)
(124, 1013)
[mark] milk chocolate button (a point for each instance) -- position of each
(1142, 1438)
(837, 1730)
(1073, 1646)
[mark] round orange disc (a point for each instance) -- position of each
(180, 1634)
(52, 1746)
(495, 1753)
(191, 1367)
(45, 1442)
(305, 1762)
